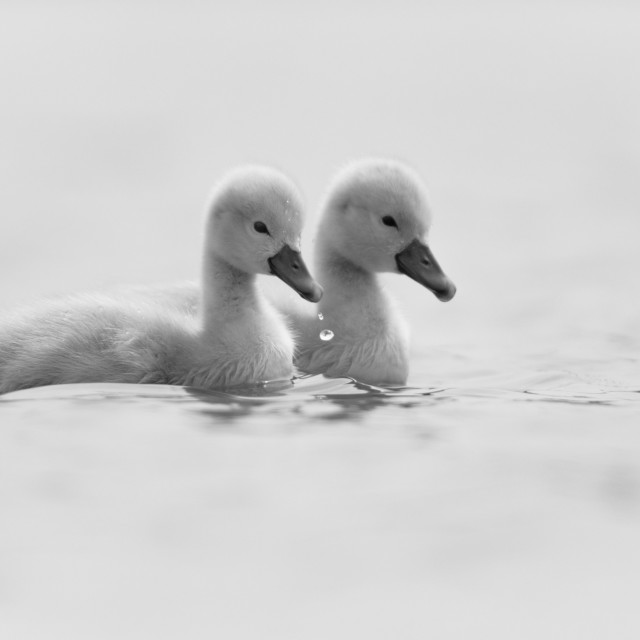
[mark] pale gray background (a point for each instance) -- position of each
(522, 117)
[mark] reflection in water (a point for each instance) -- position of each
(312, 398)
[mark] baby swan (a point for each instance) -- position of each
(375, 219)
(236, 338)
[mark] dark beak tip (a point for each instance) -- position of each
(289, 266)
(315, 295)
(444, 295)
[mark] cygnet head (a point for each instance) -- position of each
(254, 224)
(377, 217)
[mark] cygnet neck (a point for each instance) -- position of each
(345, 282)
(226, 291)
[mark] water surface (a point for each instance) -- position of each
(293, 510)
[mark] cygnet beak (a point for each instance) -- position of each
(289, 266)
(417, 261)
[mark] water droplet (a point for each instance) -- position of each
(320, 316)
(326, 334)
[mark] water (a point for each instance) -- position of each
(502, 494)
(498, 494)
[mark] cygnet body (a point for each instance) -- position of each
(234, 338)
(375, 219)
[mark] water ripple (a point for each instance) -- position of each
(319, 399)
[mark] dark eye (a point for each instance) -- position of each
(261, 227)
(390, 221)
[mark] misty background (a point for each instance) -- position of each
(523, 120)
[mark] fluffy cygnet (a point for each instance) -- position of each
(235, 338)
(375, 219)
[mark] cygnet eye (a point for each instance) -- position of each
(390, 221)
(261, 227)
